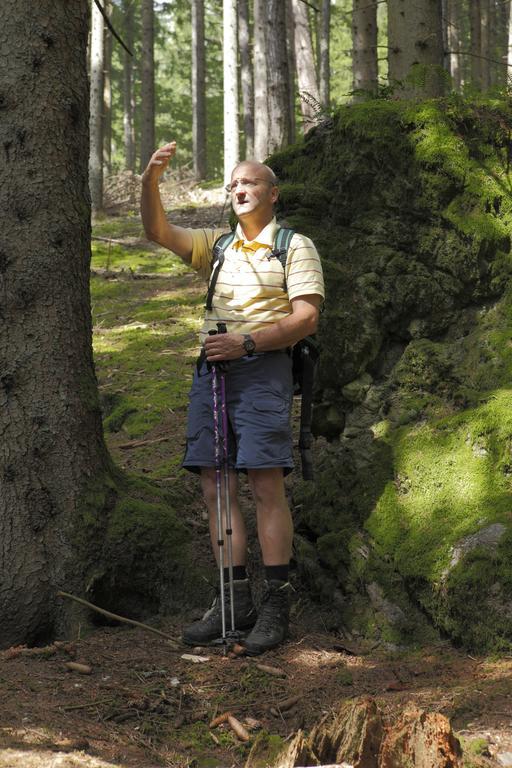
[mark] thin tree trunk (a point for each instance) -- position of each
(246, 75)
(500, 25)
(485, 44)
(292, 70)
(261, 114)
(509, 57)
(128, 98)
(415, 38)
(305, 63)
(324, 63)
(475, 21)
(107, 93)
(198, 91)
(96, 110)
(365, 74)
(231, 138)
(454, 35)
(278, 101)
(147, 84)
(52, 454)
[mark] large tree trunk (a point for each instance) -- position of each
(305, 63)
(415, 37)
(365, 75)
(278, 101)
(231, 138)
(244, 43)
(475, 23)
(261, 123)
(198, 91)
(52, 450)
(324, 63)
(147, 84)
(96, 109)
(107, 93)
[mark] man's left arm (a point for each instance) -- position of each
(302, 321)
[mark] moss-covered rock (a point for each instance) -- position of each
(410, 206)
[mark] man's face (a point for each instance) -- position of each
(252, 191)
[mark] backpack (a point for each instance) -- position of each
(304, 353)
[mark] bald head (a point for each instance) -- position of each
(257, 170)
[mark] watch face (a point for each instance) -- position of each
(249, 345)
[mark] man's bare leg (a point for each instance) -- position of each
(275, 533)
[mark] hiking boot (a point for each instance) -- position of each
(209, 627)
(272, 625)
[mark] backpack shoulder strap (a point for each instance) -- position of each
(218, 251)
(281, 246)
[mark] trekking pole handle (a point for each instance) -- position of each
(221, 328)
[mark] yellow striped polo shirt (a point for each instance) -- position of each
(250, 292)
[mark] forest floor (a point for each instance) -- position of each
(144, 702)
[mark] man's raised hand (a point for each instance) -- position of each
(159, 161)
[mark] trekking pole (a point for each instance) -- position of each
(218, 484)
(229, 531)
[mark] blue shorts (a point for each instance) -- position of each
(259, 395)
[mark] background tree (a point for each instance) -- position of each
(324, 65)
(127, 88)
(246, 75)
(475, 20)
(198, 91)
(261, 124)
(107, 91)
(147, 99)
(231, 138)
(305, 64)
(52, 446)
(364, 41)
(415, 37)
(453, 23)
(96, 108)
(277, 75)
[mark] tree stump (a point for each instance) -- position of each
(421, 739)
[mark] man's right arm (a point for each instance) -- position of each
(157, 228)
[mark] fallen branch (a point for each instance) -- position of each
(122, 619)
(138, 443)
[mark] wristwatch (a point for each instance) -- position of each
(249, 344)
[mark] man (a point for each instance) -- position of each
(265, 315)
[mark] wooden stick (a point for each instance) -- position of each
(122, 619)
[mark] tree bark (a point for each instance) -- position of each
(107, 92)
(231, 137)
(278, 101)
(324, 64)
(147, 84)
(500, 24)
(198, 91)
(96, 109)
(365, 74)
(52, 451)
(475, 25)
(415, 37)
(305, 63)
(261, 116)
(128, 98)
(244, 44)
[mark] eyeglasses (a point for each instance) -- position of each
(248, 183)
